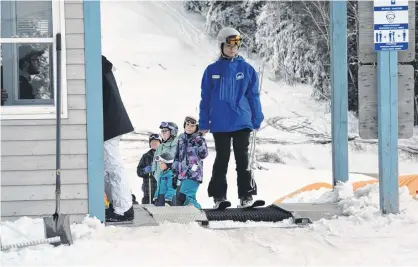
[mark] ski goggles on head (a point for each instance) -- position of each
(190, 124)
(159, 158)
(164, 125)
(154, 137)
(190, 121)
(233, 40)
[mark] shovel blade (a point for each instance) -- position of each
(59, 227)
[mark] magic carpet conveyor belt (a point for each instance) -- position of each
(300, 213)
(261, 214)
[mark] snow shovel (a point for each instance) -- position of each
(58, 225)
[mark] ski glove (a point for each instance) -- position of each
(147, 169)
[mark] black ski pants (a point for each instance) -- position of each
(240, 144)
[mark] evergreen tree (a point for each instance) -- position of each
(352, 42)
(293, 38)
(241, 15)
(293, 44)
(199, 7)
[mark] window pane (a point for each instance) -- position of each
(26, 19)
(27, 73)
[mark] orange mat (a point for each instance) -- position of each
(310, 187)
(410, 181)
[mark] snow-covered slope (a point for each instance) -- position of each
(159, 54)
(159, 59)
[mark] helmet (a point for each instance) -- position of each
(154, 136)
(190, 119)
(26, 51)
(166, 157)
(174, 129)
(229, 35)
(193, 120)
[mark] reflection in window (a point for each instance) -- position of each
(34, 72)
(26, 63)
(28, 74)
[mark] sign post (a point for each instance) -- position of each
(390, 36)
(390, 25)
(339, 87)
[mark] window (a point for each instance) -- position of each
(28, 58)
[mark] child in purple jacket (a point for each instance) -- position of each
(188, 163)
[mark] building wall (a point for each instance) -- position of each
(28, 146)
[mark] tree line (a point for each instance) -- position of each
(293, 37)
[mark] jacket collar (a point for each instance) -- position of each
(189, 136)
(236, 58)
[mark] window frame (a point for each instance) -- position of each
(39, 111)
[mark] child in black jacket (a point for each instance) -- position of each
(143, 170)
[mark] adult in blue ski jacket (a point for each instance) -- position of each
(230, 108)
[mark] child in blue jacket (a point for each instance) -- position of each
(165, 193)
(188, 162)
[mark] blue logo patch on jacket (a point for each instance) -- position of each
(230, 100)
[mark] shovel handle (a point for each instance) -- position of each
(58, 123)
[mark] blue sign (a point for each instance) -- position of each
(390, 25)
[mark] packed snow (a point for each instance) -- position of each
(363, 237)
(159, 53)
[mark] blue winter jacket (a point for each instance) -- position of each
(230, 100)
(165, 185)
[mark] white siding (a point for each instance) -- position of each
(28, 146)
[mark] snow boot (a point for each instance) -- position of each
(111, 216)
(218, 200)
(109, 210)
(246, 201)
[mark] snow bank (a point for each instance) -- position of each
(362, 204)
(362, 237)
